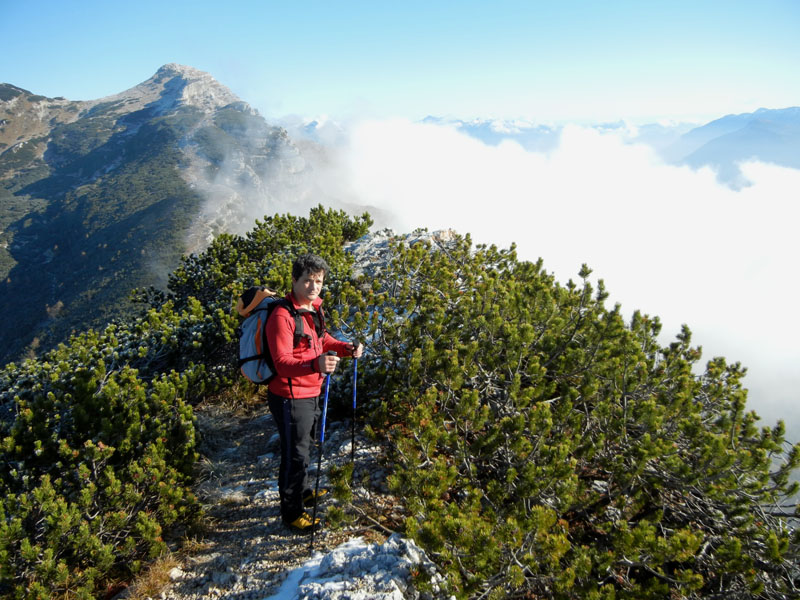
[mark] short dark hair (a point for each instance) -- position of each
(308, 263)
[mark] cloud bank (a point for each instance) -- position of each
(668, 240)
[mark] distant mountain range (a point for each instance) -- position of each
(99, 197)
(767, 135)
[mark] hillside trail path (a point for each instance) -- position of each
(245, 552)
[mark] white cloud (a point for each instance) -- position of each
(667, 240)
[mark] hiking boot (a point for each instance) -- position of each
(308, 496)
(302, 524)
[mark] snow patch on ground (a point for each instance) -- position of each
(359, 571)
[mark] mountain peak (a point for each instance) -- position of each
(175, 85)
(174, 69)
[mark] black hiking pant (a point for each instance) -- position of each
(296, 420)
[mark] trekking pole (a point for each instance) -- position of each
(319, 457)
(353, 428)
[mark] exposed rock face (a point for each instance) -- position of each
(372, 251)
(174, 86)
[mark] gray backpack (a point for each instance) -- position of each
(256, 305)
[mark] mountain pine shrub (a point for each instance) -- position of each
(547, 448)
(96, 463)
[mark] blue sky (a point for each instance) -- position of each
(548, 62)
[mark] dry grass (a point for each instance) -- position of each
(206, 469)
(236, 399)
(154, 579)
(194, 545)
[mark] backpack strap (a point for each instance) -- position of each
(319, 323)
(299, 327)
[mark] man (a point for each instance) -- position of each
(301, 364)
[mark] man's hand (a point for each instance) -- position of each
(357, 350)
(327, 363)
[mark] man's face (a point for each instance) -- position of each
(307, 288)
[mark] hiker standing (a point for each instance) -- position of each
(301, 363)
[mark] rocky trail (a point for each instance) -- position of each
(245, 552)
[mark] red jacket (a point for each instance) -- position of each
(298, 363)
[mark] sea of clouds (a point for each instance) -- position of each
(668, 240)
